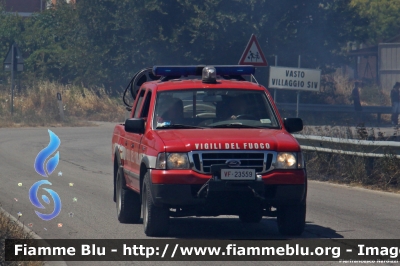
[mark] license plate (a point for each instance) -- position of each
(238, 174)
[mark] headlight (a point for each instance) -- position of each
(286, 160)
(177, 161)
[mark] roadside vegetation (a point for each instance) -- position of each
(381, 173)
(37, 105)
(90, 52)
(11, 230)
(103, 44)
(375, 173)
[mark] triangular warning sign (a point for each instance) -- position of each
(253, 55)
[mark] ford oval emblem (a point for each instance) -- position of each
(233, 163)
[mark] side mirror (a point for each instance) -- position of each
(134, 125)
(293, 124)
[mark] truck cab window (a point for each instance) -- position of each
(139, 102)
(146, 105)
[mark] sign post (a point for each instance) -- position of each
(298, 93)
(60, 106)
(13, 62)
(12, 78)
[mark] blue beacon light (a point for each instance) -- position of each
(197, 70)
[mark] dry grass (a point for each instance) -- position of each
(343, 84)
(339, 87)
(38, 106)
(11, 230)
(374, 173)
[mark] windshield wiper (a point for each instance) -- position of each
(233, 125)
(177, 126)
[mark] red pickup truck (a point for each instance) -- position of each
(204, 141)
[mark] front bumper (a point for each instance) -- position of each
(190, 177)
(184, 188)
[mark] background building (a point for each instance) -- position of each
(379, 63)
(25, 7)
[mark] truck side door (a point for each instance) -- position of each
(134, 140)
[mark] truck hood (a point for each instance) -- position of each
(185, 140)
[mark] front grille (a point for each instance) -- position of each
(260, 161)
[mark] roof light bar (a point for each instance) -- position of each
(235, 70)
(197, 70)
(177, 70)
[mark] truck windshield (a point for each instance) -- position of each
(222, 108)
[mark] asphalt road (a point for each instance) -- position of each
(333, 211)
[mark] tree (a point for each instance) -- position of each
(317, 30)
(57, 45)
(11, 28)
(104, 42)
(383, 18)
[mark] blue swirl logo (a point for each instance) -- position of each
(33, 191)
(51, 165)
(45, 153)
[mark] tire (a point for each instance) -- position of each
(155, 219)
(291, 219)
(127, 202)
(251, 215)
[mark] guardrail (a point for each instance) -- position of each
(364, 148)
(379, 110)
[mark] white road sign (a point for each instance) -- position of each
(294, 78)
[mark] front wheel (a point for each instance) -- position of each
(128, 202)
(291, 219)
(155, 218)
